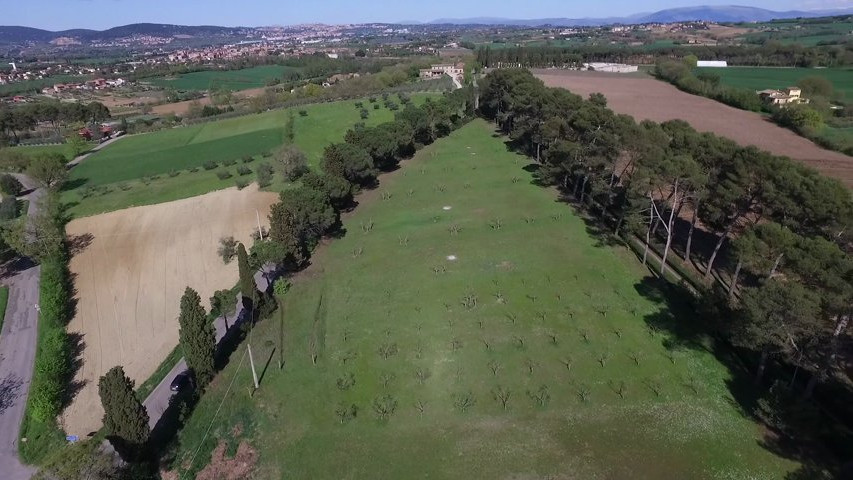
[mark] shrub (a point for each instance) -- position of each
(372, 99)
(291, 162)
(53, 354)
(8, 208)
(264, 173)
(174, 173)
(243, 170)
(227, 249)
(223, 174)
(376, 106)
(364, 114)
(229, 163)
(303, 113)
(248, 159)
(193, 170)
(267, 154)
(241, 183)
(210, 165)
(10, 185)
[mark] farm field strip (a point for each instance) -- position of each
(760, 78)
(236, 80)
(151, 168)
(647, 98)
(463, 281)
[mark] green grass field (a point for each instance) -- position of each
(4, 297)
(135, 170)
(531, 303)
(235, 80)
(760, 78)
(39, 149)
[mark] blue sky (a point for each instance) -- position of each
(100, 14)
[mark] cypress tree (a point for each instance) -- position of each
(125, 419)
(197, 336)
(247, 281)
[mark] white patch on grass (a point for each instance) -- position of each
(446, 207)
(452, 258)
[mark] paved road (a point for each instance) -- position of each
(158, 400)
(17, 352)
(80, 158)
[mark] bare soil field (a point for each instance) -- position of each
(647, 98)
(130, 272)
(180, 108)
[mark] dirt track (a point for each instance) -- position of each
(647, 98)
(131, 275)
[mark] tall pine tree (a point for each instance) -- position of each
(125, 419)
(197, 336)
(247, 281)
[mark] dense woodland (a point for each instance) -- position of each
(770, 54)
(784, 297)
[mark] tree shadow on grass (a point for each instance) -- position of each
(792, 428)
(76, 345)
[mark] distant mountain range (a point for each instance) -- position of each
(17, 35)
(12, 34)
(730, 13)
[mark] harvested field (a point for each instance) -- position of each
(130, 272)
(647, 98)
(181, 108)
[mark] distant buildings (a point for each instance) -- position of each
(610, 67)
(454, 70)
(712, 63)
(788, 96)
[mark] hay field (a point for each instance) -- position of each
(647, 98)
(131, 275)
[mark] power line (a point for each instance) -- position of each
(203, 438)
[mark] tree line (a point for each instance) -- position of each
(786, 292)
(298, 221)
(16, 121)
(770, 54)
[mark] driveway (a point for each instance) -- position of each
(158, 400)
(18, 349)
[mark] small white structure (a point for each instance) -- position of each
(712, 63)
(610, 67)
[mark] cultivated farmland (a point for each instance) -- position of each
(469, 326)
(647, 98)
(760, 78)
(236, 80)
(130, 272)
(135, 170)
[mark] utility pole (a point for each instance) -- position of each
(252, 363)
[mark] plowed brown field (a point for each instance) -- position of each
(130, 278)
(647, 98)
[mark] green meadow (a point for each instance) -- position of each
(760, 78)
(234, 80)
(470, 325)
(157, 167)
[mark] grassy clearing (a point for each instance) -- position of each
(230, 79)
(760, 78)
(63, 149)
(136, 170)
(531, 300)
(4, 297)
